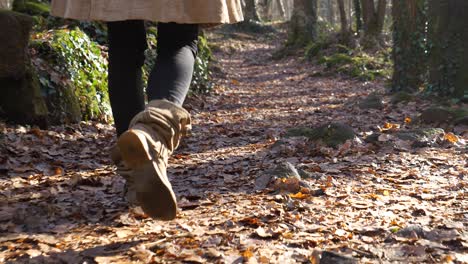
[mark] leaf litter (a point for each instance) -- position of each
(246, 192)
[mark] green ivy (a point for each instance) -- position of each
(76, 58)
(201, 81)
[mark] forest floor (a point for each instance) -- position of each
(372, 202)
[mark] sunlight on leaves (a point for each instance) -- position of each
(390, 126)
(299, 195)
(247, 253)
(450, 137)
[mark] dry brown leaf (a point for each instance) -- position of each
(299, 195)
(248, 253)
(450, 137)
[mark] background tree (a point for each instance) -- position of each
(331, 12)
(448, 35)
(250, 11)
(303, 24)
(409, 46)
(6, 4)
(374, 17)
(358, 15)
(343, 19)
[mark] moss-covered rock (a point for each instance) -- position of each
(421, 134)
(441, 115)
(72, 66)
(359, 64)
(14, 38)
(331, 134)
(373, 101)
(401, 97)
(299, 132)
(21, 101)
(420, 137)
(436, 115)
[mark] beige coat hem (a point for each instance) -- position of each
(179, 11)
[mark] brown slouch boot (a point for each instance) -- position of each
(145, 148)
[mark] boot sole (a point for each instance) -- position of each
(153, 195)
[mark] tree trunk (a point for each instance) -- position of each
(358, 14)
(250, 11)
(373, 21)
(6, 4)
(331, 12)
(381, 10)
(343, 18)
(281, 9)
(367, 12)
(409, 46)
(303, 24)
(21, 101)
(448, 34)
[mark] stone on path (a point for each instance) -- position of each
(20, 99)
(372, 101)
(330, 134)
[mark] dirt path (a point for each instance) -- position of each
(60, 201)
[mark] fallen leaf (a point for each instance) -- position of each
(247, 253)
(299, 195)
(450, 137)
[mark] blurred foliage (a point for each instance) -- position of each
(201, 81)
(75, 58)
(31, 7)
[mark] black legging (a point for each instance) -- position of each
(169, 79)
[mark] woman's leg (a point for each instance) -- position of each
(127, 45)
(156, 132)
(172, 73)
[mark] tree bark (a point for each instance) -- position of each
(303, 24)
(6, 4)
(343, 18)
(281, 9)
(250, 11)
(373, 21)
(331, 12)
(358, 14)
(448, 34)
(409, 47)
(381, 10)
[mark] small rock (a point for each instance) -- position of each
(299, 132)
(305, 174)
(373, 101)
(436, 115)
(283, 178)
(330, 134)
(411, 231)
(333, 134)
(401, 97)
(329, 257)
(262, 181)
(285, 170)
(421, 137)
